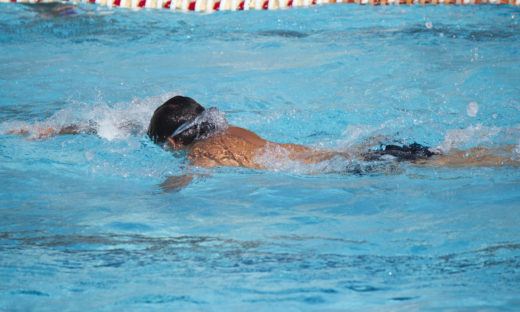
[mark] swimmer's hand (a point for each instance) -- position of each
(175, 183)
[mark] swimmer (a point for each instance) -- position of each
(182, 124)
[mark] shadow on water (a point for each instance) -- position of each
(283, 33)
(272, 254)
(471, 32)
(295, 271)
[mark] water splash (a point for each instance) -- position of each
(472, 109)
(355, 133)
(277, 158)
(110, 122)
(516, 152)
(473, 135)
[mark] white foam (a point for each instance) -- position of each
(111, 122)
(356, 133)
(472, 109)
(276, 158)
(516, 151)
(472, 135)
(109, 130)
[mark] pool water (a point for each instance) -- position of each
(85, 225)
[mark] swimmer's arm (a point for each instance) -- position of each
(39, 133)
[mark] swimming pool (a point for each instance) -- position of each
(85, 226)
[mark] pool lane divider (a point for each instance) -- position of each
(239, 5)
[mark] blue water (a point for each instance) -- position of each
(85, 226)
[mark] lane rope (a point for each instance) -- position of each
(239, 5)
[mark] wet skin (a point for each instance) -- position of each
(238, 147)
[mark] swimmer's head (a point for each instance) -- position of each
(168, 117)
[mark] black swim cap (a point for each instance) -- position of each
(170, 116)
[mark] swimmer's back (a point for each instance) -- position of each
(238, 147)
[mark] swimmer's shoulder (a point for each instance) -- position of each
(246, 135)
(236, 147)
(233, 139)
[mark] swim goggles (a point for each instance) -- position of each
(212, 120)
